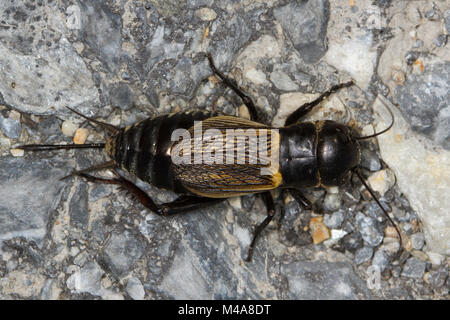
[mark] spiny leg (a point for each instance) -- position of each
(183, 203)
(232, 85)
(103, 166)
(307, 107)
(268, 200)
(301, 199)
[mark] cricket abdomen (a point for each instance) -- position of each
(143, 149)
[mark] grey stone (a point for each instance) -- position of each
(417, 240)
(88, 280)
(370, 160)
(122, 251)
(441, 40)
(305, 23)
(373, 210)
(447, 20)
(334, 220)
(10, 127)
(332, 201)
(437, 277)
(370, 229)
(363, 254)
(41, 70)
(100, 30)
(413, 268)
(352, 241)
(324, 280)
(432, 15)
(147, 58)
(121, 96)
(282, 81)
(234, 34)
(135, 289)
(99, 191)
(380, 259)
(29, 192)
(423, 99)
(78, 206)
(194, 4)
(418, 43)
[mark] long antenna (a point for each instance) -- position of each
(372, 193)
(109, 127)
(383, 131)
(48, 147)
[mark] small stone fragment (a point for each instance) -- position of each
(135, 289)
(319, 231)
(10, 127)
(370, 160)
(256, 76)
(382, 181)
(398, 76)
(417, 240)
(81, 135)
(243, 112)
(380, 259)
(390, 232)
(235, 202)
(441, 40)
(414, 268)
(69, 128)
(332, 201)
(435, 258)
(369, 230)
(206, 14)
(363, 254)
(335, 220)
(17, 152)
(352, 241)
(282, 81)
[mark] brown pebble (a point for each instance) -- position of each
(319, 230)
(80, 136)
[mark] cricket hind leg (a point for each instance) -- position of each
(103, 166)
(183, 203)
(307, 107)
(254, 116)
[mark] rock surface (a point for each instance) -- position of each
(121, 62)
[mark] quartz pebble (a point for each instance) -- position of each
(81, 135)
(382, 181)
(17, 152)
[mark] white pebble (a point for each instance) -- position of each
(256, 76)
(436, 259)
(17, 152)
(235, 202)
(69, 128)
(382, 181)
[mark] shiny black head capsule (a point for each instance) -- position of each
(337, 153)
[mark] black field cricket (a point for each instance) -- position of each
(206, 157)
